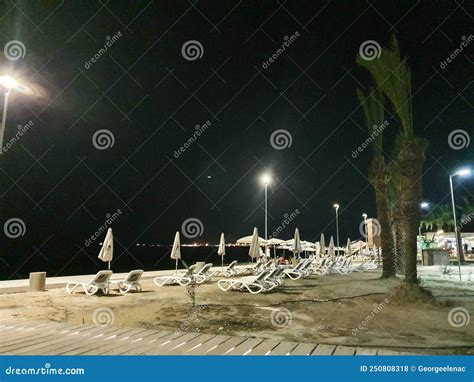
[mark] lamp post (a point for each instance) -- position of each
(364, 215)
(461, 173)
(336, 207)
(423, 206)
(9, 83)
(266, 178)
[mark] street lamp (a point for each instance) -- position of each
(364, 215)
(266, 179)
(336, 207)
(9, 83)
(461, 173)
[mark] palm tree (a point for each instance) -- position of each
(393, 199)
(373, 108)
(393, 78)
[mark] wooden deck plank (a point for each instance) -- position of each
(324, 350)
(207, 346)
(17, 334)
(200, 339)
(123, 344)
(366, 351)
(245, 347)
(265, 347)
(345, 350)
(303, 349)
(156, 343)
(388, 352)
(284, 348)
(226, 346)
(169, 346)
(58, 341)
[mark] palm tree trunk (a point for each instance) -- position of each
(379, 180)
(410, 160)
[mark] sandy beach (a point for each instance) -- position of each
(355, 309)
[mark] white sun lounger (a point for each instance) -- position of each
(131, 281)
(182, 279)
(251, 284)
(300, 270)
(204, 274)
(99, 282)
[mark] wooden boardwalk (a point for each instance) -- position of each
(41, 338)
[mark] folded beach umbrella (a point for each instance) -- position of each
(348, 247)
(274, 242)
(254, 251)
(331, 247)
(106, 253)
(297, 242)
(322, 245)
(176, 251)
(221, 250)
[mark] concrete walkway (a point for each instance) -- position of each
(53, 338)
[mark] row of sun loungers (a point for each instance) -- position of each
(261, 277)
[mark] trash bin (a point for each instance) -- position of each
(37, 282)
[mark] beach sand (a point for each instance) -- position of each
(355, 309)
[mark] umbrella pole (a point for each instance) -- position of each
(109, 265)
(176, 267)
(222, 265)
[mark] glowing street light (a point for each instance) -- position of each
(266, 179)
(9, 83)
(424, 205)
(336, 207)
(460, 173)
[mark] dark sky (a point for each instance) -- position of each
(149, 98)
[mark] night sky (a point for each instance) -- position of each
(146, 96)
